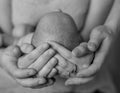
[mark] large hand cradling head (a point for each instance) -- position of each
(59, 27)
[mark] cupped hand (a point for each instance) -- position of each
(82, 62)
(9, 61)
(100, 42)
(41, 59)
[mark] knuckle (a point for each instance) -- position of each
(45, 45)
(30, 57)
(69, 56)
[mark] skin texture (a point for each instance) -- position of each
(59, 27)
(31, 11)
(92, 22)
(98, 21)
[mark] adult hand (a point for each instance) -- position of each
(24, 77)
(41, 59)
(100, 41)
(82, 63)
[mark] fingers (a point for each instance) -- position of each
(64, 67)
(48, 83)
(48, 67)
(62, 62)
(9, 62)
(23, 73)
(61, 50)
(96, 38)
(43, 59)
(31, 82)
(27, 48)
(52, 73)
(78, 81)
(24, 62)
(81, 50)
(98, 60)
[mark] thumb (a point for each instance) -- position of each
(96, 38)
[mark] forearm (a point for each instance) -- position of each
(113, 20)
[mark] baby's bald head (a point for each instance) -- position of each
(59, 27)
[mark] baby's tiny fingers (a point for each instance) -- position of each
(48, 67)
(27, 48)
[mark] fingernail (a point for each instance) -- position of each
(76, 52)
(42, 81)
(92, 46)
(32, 72)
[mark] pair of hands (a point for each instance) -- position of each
(100, 42)
(102, 38)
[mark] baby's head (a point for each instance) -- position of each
(58, 27)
